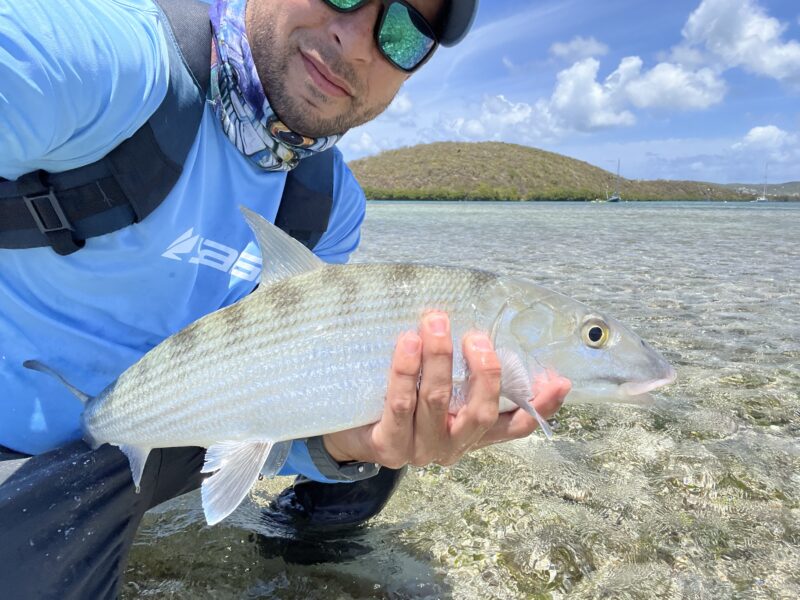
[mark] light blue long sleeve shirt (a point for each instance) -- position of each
(77, 78)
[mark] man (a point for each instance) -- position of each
(78, 81)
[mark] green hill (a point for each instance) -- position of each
(498, 171)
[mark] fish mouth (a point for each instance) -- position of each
(638, 388)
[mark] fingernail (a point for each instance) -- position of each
(438, 324)
(481, 343)
(411, 343)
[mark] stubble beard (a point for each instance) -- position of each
(272, 65)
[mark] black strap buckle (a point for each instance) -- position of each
(49, 216)
(44, 220)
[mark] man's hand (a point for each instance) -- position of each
(416, 426)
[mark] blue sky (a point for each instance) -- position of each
(680, 89)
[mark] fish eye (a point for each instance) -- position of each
(595, 333)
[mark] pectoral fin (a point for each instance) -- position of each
(236, 466)
(515, 384)
(514, 381)
(543, 425)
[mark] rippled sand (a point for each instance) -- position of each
(697, 496)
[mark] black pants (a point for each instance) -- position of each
(68, 518)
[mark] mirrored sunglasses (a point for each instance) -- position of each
(402, 34)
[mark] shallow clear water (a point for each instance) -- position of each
(695, 497)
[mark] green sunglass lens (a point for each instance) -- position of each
(402, 39)
(345, 5)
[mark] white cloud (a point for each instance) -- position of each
(578, 48)
(770, 142)
(766, 137)
(500, 119)
(581, 102)
(739, 33)
(504, 113)
(472, 129)
(401, 105)
(360, 143)
(584, 104)
(686, 56)
(671, 86)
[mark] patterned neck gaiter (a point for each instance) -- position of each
(240, 102)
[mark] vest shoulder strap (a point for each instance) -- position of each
(62, 210)
(308, 199)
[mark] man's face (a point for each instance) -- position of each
(321, 69)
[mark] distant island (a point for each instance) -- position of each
(500, 171)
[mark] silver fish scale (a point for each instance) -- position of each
(303, 356)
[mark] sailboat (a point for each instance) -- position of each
(763, 196)
(615, 197)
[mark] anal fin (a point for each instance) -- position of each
(236, 466)
(276, 458)
(137, 457)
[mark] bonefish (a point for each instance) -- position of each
(308, 353)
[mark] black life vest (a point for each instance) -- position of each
(62, 210)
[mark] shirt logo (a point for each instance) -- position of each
(208, 253)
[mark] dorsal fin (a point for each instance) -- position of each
(282, 255)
